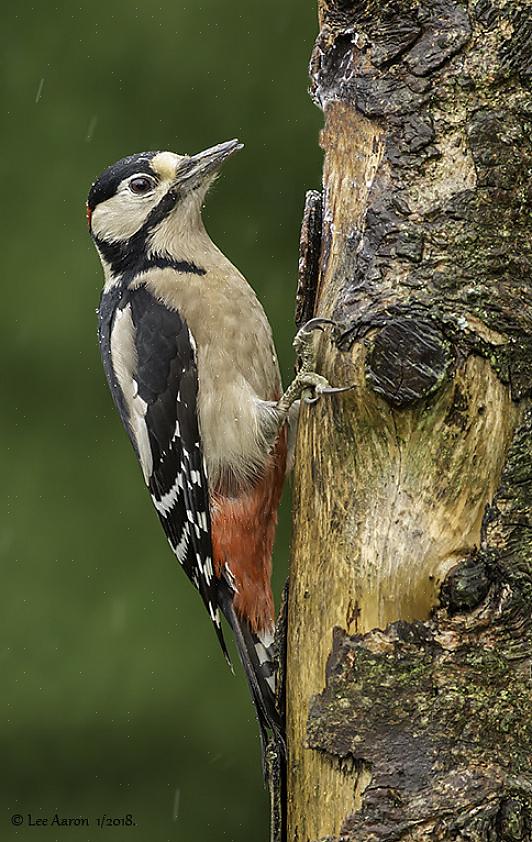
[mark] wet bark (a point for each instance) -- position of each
(409, 614)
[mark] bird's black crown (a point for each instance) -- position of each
(106, 184)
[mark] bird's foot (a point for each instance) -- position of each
(307, 384)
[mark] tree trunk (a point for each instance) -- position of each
(408, 665)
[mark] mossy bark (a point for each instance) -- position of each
(409, 616)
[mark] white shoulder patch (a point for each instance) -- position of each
(124, 362)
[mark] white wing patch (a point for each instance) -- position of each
(151, 367)
(124, 362)
(166, 503)
(181, 548)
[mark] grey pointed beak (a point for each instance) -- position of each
(194, 170)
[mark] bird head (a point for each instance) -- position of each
(142, 203)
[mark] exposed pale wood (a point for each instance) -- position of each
(400, 499)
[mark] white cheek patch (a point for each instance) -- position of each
(121, 216)
(124, 362)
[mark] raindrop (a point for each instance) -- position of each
(177, 798)
(90, 130)
(38, 95)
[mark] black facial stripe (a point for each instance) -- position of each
(106, 185)
(128, 262)
(122, 258)
(159, 212)
(128, 258)
(161, 261)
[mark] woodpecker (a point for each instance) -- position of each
(190, 361)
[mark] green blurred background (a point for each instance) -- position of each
(115, 697)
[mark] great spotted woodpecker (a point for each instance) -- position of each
(190, 361)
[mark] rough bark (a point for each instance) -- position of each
(409, 621)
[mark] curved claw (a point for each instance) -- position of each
(333, 390)
(310, 401)
(327, 390)
(317, 323)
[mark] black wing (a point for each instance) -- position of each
(155, 389)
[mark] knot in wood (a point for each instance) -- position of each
(408, 360)
(465, 586)
(513, 821)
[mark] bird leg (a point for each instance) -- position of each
(307, 380)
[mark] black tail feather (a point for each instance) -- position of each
(259, 673)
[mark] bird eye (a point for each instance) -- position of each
(141, 184)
